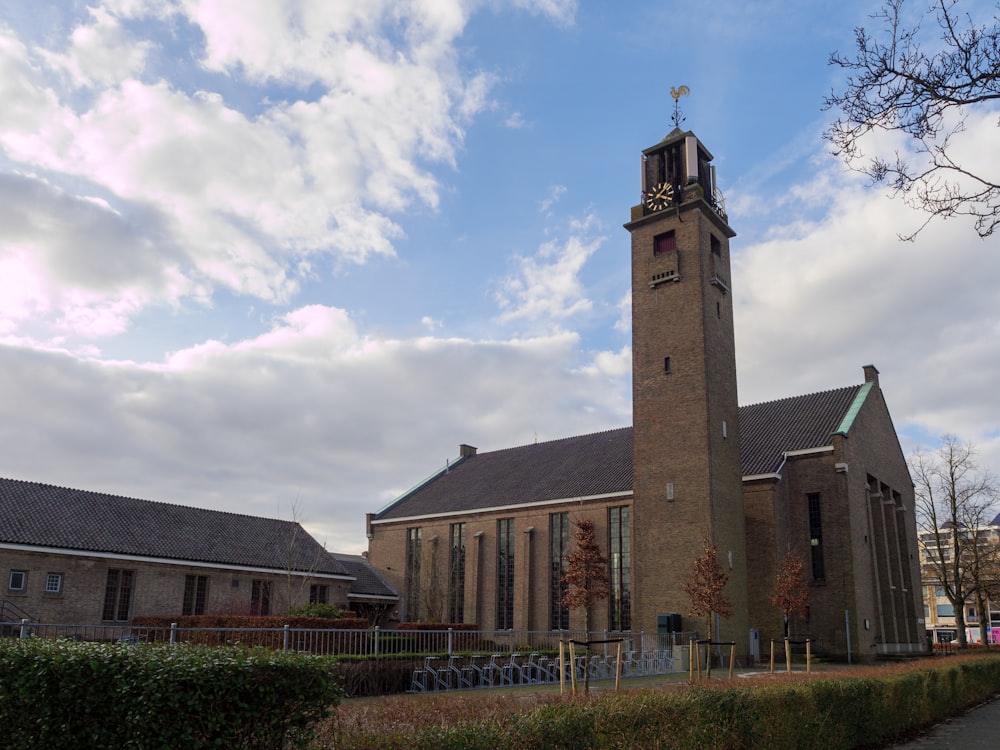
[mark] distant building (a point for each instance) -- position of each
(939, 612)
(486, 539)
(78, 557)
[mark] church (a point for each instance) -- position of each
(485, 540)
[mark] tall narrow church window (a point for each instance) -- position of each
(260, 597)
(559, 545)
(816, 537)
(505, 573)
(620, 563)
(195, 593)
(715, 244)
(456, 574)
(413, 538)
(118, 594)
(664, 243)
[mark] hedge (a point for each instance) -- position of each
(90, 696)
(818, 714)
(252, 621)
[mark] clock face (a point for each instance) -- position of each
(659, 197)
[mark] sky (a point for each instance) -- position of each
(282, 258)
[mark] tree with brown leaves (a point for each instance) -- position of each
(586, 576)
(705, 587)
(791, 590)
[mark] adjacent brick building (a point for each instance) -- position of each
(485, 540)
(78, 557)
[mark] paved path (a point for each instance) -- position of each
(978, 728)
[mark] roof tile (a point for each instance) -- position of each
(43, 515)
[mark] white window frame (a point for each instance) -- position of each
(53, 583)
(24, 581)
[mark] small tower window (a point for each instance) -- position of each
(716, 245)
(666, 364)
(664, 243)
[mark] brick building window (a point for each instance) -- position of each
(319, 593)
(53, 583)
(260, 597)
(413, 542)
(18, 581)
(620, 563)
(195, 593)
(559, 546)
(664, 243)
(456, 574)
(816, 537)
(118, 595)
(505, 573)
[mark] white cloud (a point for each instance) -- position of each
(228, 194)
(817, 300)
(515, 121)
(624, 322)
(560, 11)
(547, 285)
(555, 193)
(311, 410)
(100, 52)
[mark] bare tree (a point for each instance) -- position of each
(791, 590)
(303, 557)
(705, 588)
(586, 577)
(955, 502)
(921, 77)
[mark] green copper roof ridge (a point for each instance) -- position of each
(848, 421)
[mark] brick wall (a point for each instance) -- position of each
(532, 562)
(158, 587)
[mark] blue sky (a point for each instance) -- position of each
(282, 258)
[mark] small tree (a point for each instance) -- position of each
(705, 587)
(587, 578)
(791, 590)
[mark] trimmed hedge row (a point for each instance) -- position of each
(251, 621)
(834, 714)
(90, 696)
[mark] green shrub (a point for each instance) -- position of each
(821, 713)
(87, 696)
(315, 609)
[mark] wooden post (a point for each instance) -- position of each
(732, 658)
(562, 667)
(697, 647)
(618, 668)
(772, 656)
(691, 661)
(572, 668)
(809, 654)
(788, 655)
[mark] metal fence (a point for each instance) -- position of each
(446, 659)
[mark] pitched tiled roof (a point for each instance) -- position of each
(42, 515)
(601, 463)
(769, 429)
(596, 464)
(367, 583)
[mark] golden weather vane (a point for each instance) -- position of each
(677, 92)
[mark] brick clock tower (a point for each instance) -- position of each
(687, 481)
